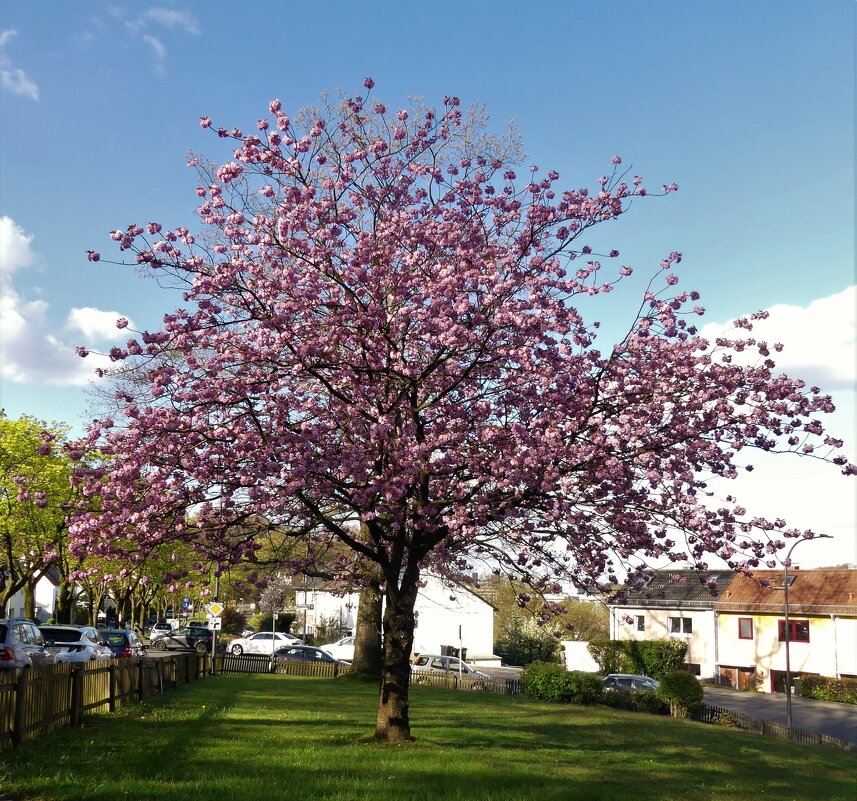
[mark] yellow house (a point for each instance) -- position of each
(822, 627)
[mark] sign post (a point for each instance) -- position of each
(214, 610)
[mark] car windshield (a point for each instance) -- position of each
(114, 638)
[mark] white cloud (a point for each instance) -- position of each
(818, 346)
(818, 339)
(15, 251)
(96, 325)
(13, 78)
(30, 351)
(153, 19)
(172, 18)
(160, 52)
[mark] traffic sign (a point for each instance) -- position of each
(214, 609)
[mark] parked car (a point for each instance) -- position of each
(341, 649)
(160, 628)
(630, 682)
(188, 637)
(123, 643)
(75, 644)
(22, 645)
(306, 653)
(444, 665)
(265, 642)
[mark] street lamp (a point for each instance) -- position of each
(788, 634)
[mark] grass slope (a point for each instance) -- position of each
(234, 738)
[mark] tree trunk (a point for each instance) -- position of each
(65, 602)
(367, 634)
(393, 723)
(29, 592)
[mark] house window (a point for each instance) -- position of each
(681, 625)
(798, 631)
(745, 628)
(640, 621)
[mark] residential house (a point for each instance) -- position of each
(44, 597)
(675, 604)
(822, 628)
(447, 616)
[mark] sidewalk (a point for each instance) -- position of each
(822, 717)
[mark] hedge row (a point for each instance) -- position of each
(822, 688)
(653, 658)
(680, 693)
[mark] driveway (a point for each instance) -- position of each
(822, 717)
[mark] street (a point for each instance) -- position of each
(823, 717)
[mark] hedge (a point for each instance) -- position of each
(655, 658)
(548, 682)
(682, 691)
(824, 688)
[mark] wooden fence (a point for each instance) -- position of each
(36, 700)
(738, 720)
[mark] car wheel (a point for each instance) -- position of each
(160, 645)
(422, 679)
(201, 647)
(237, 650)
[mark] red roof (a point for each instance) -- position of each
(822, 591)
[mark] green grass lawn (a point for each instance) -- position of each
(233, 738)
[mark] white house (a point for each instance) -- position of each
(447, 615)
(675, 604)
(45, 598)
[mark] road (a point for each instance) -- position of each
(822, 717)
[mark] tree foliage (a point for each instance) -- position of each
(383, 326)
(37, 465)
(523, 641)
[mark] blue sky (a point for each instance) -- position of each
(749, 107)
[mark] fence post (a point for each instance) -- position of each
(141, 689)
(20, 709)
(112, 700)
(76, 711)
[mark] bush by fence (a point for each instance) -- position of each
(823, 688)
(549, 682)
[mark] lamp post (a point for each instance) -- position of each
(788, 634)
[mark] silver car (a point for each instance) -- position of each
(444, 666)
(75, 644)
(22, 645)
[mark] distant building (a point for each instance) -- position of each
(736, 630)
(822, 627)
(675, 604)
(447, 616)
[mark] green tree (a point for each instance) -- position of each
(37, 464)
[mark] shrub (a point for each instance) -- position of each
(549, 682)
(682, 691)
(653, 658)
(824, 688)
(232, 621)
(585, 688)
(648, 701)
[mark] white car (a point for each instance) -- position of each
(435, 664)
(265, 642)
(343, 649)
(75, 644)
